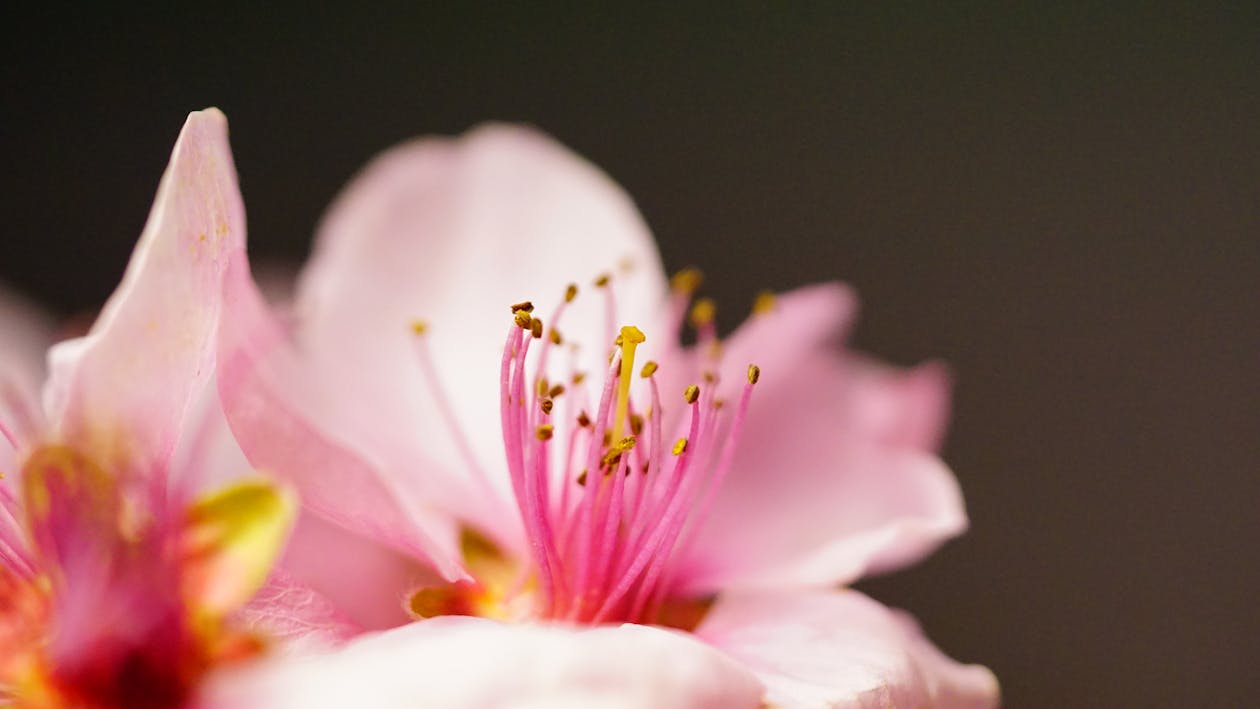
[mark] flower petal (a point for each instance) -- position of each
(841, 649)
(452, 232)
(471, 662)
(824, 485)
(296, 616)
(268, 394)
(25, 334)
(158, 327)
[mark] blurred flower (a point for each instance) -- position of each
(548, 477)
(115, 585)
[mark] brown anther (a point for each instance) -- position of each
(754, 373)
(691, 394)
(703, 312)
(646, 467)
(542, 387)
(648, 369)
(686, 281)
(523, 319)
(763, 303)
(709, 377)
(554, 335)
(680, 447)
(718, 404)
(536, 328)
(547, 405)
(581, 479)
(544, 432)
(570, 292)
(583, 420)
(555, 391)
(636, 424)
(578, 377)
(607, 437)
(602, 280)
(523, 307)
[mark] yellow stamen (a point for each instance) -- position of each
(648, 369)
(523, 319)
(754, 373)
(544, 432)
(419, 327)
(763, 303)
(691, 394)
(703, 312)
(602, 280)
(570, 293)
(680, 447)
(686, 281)
(630, 338)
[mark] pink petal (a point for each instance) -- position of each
(452, 232)
(268, 394)
(470, 662)
(824, 486)
(841, 649)
(158, 327)
(296, 616)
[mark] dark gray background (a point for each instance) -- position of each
(1062, 204)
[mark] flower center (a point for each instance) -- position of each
(609, 495)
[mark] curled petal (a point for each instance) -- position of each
(158, 327)
(841, 650)
(829, 442)
(469, 662)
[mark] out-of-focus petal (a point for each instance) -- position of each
(822, 489)
(268, 395)
(25, 335)
(296, 617)
(452, 232)
(840, 649)
(469, 662)
(122, 390)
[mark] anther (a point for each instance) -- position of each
(763, 302)
(547, 405)
(536, 328)
(703, 312)
(709, 377)
(523, 319)
(648, 369)
(680, 447)
(544, 432)
(524, 306)
(583, 420)
(602, 280)
(686, 281)
(555, 391)
(554, 335)
(419, 327)
(691, 394)
(578, 377)
(754, 373)
(636, 424)
(570, 292)
(542, 387)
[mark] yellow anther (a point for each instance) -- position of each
(686, 281)
(555, 391)
(544, 432)
(754, 373)
(578, 377)
(648, 369)
(680, 447)
(703, 312)
(541, 387)
(523, 306)
(523, 319)
(627, 443)
(419, 327)
(718, 404)
(547, 405)
(570, 292)
(602, 280)
(763, 302)
(630, 338)
(536, 328)
(554, 335)
(691, 394)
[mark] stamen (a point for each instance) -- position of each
(763, 303)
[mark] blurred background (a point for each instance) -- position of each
(1061, 204)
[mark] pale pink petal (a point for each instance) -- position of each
(453, 232)
(122, 390)
(268, 395)
(470, 662)
(824, 649)
(899, 407)
(296, 617)
(823, 488)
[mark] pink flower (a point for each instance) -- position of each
(115, 586)
(586, 497)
